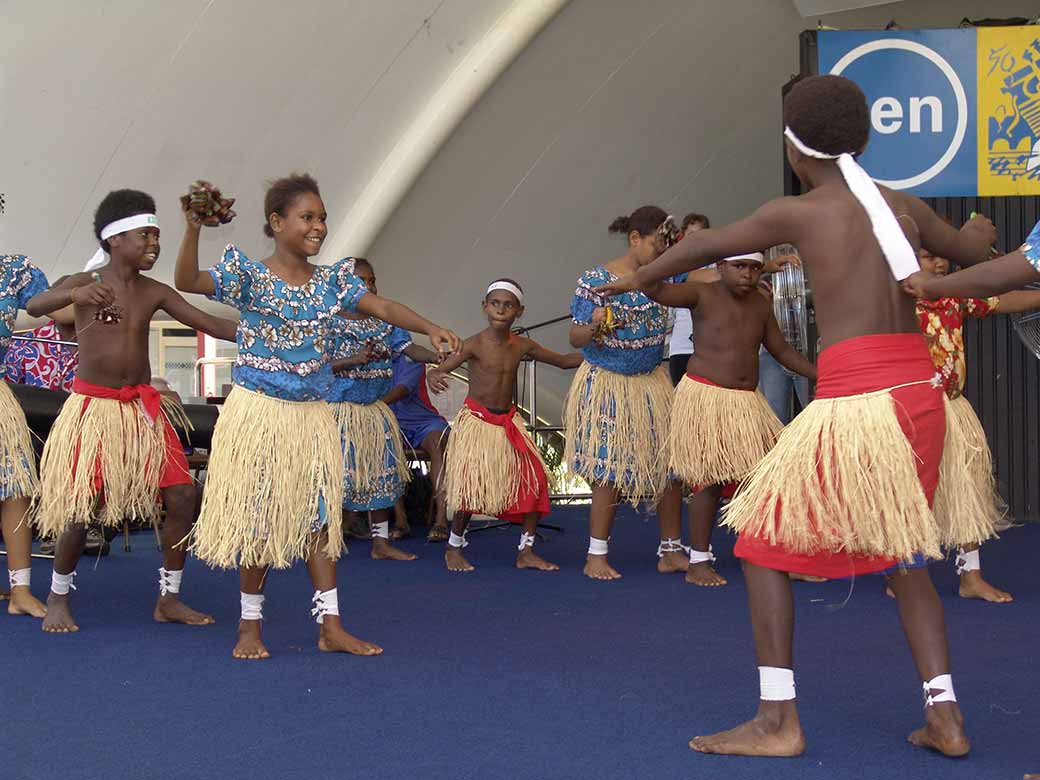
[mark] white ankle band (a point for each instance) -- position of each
(775, 683)
(939, 689)
(598, 546)
(325, 603)
(700, 556)
(455, 540)
(169, 581)
(968, 561)
(19, 577)
(526, 540)
(252, 606)
(381, 530)
(670, 546)
(61, 583)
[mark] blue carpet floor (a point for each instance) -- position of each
(502, 673)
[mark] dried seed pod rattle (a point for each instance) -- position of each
(206, 202)
(107, 315)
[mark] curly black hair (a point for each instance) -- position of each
(282, 193)
(644, 220)
(120, 204)
(694, 217)
(828, 114)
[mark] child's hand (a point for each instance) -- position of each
(916, 284)
(982, 225)
(437, 380)
(204, 205)
(775, 264)
(445, 342)
(599, 316)
(623, 284)
(96, 294)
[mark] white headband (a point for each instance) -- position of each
(100, 258)
(901, 257)
(757, 257)
(508, 287)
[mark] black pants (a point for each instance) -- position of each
(677, 367)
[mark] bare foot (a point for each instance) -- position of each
(333, 639)
(170, 609)
(59, 618)
(671, 562)
(382, 550)
(439, 533)
(4, 594)
(528, 559)
(400, 531)
(455, 560)
(704, 575)
(974, 587)
(943, 730)
(597, 568)
(249, 647)
(796, 577)
(24, 603)
(760, 736)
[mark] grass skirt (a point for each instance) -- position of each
(717, 434)
(18, 464)
(617, 430)
(482, 471)
(967, 505)
(275, 479)
(100, 434)
(376, 471)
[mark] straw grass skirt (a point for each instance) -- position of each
(18, 465)
(375, 470)
(617, 430)
(482, 471)
(718, 434)
(115, 438)
(967, 504)
(275, 480)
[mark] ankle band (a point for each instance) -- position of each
(968, 561)
(62, 583)
(19, 577)
(670, 546)
(381, 530)
(775, 683)
(526, 540)
(700, 556)
(939, 689)
(252, 606)
(457, 541)
(325, 603)
(169, 581)
(598, 546)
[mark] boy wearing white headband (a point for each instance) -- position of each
(112, 450)
(492, 465)
(848, 487)
(722, 426)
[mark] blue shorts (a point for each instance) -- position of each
(917, 562)
(414, 435)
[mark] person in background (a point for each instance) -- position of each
(680, 342)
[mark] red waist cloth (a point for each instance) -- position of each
(730, 488)
(531, 498)
(854, 367)
(175, 469)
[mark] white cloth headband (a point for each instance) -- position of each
(901, 257)
(100, 258)
(756, 257)
(508, 287)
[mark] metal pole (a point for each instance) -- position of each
(45, 341)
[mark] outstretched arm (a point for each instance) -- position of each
(400, 315)
(79, 289)
(968, 246)
(685, 295)
(1018, 301)
(173, 303)
(437, 377)
(537, 352)
(785, 354)
(420, 354)
(186, 274)
(1007, 273)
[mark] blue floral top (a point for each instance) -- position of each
(283, 328)
(20, 280)
(1031, 248)
(365, 384)
(637, 344)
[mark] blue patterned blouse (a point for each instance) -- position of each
(1031, 247)
(637, 345)
(283, 328)
(20, 280)
(365, 384)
